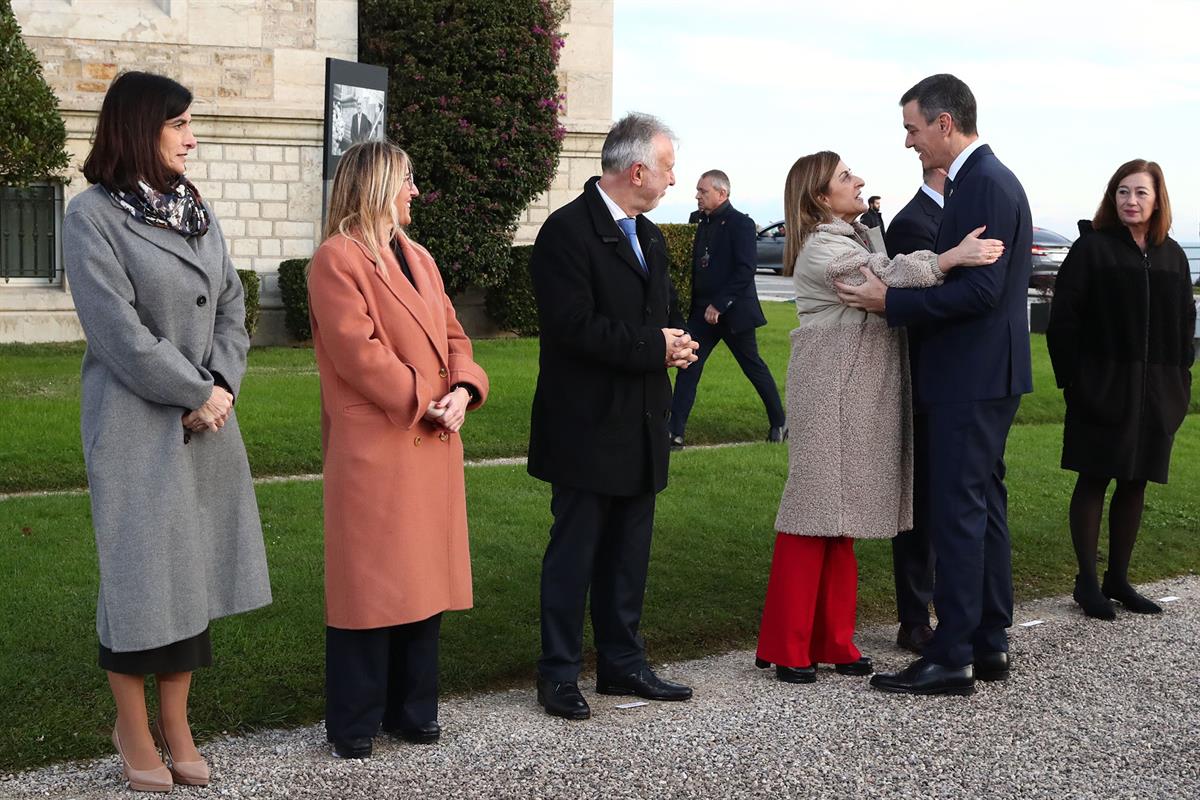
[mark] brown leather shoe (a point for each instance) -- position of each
(913, 639)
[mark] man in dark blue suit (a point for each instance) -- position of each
(969, 352)
(915, 228)
(724, 304)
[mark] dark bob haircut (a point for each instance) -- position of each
(129, 129)
(1160, 219)
(944, 93)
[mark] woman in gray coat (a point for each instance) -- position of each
(176, 524)
(849, 398)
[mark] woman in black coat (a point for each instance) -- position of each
(1120, 339)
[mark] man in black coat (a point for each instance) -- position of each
(915, 228)
(872, 218)
(598, 433)
(969, 353)
(724, 303)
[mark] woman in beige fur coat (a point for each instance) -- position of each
(849, 404)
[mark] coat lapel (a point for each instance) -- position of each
(403, 291)
(167, 240)
(609, 233)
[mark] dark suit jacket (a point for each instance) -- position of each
(599, 419)
(727, 283)
(872, 219)
(360, 127)
(915, 227)
(969, 337)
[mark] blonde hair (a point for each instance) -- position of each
(368, 178)
(803, 209)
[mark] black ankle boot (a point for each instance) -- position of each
(1089, 597)
(1127, 596)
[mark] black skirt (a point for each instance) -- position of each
(185, 655)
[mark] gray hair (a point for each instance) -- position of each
(631, 140)
(944, 93)
(719, 180)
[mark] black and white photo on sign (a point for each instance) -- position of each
(356, 116)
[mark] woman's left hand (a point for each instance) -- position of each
(454, 409)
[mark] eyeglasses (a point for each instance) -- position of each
(408, 180)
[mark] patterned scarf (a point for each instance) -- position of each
(179, 210)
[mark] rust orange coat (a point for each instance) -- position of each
(395, 498)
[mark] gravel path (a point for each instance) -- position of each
(1092, 709)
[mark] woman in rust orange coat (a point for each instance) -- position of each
(397, 380)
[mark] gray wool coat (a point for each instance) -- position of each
(849, 394)
(176, 523)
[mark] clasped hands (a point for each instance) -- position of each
(211, 416)
(451, 411)
(681, 347)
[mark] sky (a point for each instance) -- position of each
(1066, 92)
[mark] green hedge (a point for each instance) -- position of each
(293, 288)
(251, 286)
(473, 96)
(513, 307)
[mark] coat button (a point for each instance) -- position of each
(417, 441)
(442, 372)
(444, 436)
(640, 346)
(649, 311)
(201, 300)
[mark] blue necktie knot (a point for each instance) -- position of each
(628, 226)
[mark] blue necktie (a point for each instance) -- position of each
(948, 189)
(629, 228)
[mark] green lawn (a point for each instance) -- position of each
(711, 551)
(277, 409)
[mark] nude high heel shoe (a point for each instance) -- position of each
(188, 773)
(143, 780)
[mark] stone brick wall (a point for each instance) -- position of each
(257, 69)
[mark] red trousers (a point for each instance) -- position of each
(812, 596)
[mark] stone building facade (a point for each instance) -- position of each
(257, 70)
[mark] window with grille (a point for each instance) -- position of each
(30, 233)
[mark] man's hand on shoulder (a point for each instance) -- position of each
(681, 348)
(870, 296)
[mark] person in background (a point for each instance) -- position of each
(725, 305)
(1121, 343)
(915, 228)
(850, 459)
(173, 508)
(872, 218)
(397, 381)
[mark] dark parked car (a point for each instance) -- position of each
(1049, 251)
(770, 247)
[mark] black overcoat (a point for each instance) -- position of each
(599, 419)
(1120, 339)
(726, 279)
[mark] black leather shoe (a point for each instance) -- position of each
(562, 699)
(913, 639)
(643, 683)
(858, 668)
(1127, 596)
(426, 733)
(1093, 602)
(358, 747)
(777, 434)
(797, 674)
(991, 666)
(676, 442)
(926, 677)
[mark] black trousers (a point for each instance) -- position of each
(603, 542)
(912, 559)
(744, 347)
(960, 469)
(381, 675)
